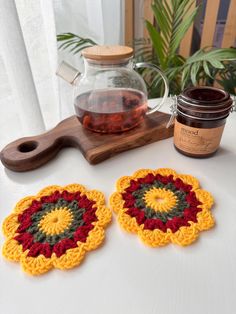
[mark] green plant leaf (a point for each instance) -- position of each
(176, 60)
(67, 44)
(181, 31)
(157, 43)
(219, 54)
(163, 6)
(162, 21)
(65, 36)
(74, 42)
(185, 76)
(194, 71)
(183, 8)
(216, 64)
(206, 69)
(81, 48)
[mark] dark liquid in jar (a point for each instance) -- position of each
(111, 110)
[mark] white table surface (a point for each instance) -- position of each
(124, 276)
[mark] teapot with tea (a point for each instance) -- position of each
(110, 96)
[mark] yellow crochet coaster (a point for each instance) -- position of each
(162, 206)
(55, 228)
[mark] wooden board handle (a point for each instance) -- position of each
(31, 152)
(28, 153)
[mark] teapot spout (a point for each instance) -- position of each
(67, 72)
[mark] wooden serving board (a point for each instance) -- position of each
(32, 152)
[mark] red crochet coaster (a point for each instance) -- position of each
(162, 206)
(55, 228)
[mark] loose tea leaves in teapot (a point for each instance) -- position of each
(111, 110)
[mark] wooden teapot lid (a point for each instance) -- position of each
(105, 53)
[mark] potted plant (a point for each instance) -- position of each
(172, 20)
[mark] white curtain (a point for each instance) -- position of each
(31, 95)
(100, 20)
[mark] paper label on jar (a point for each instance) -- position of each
(195, 140)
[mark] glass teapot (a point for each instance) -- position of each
(110, 96)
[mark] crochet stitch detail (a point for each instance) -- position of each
(56, 221)
(55, 228)
(160, 199)
(162, 206)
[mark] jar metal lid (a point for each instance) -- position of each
(204, 103)
(217, 110)
(204, 95)
(202, 118)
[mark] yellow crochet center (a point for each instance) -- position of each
(160, 199)
(56, 221)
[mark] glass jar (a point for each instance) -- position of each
(200, 120)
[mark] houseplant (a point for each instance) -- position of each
(203, 67)
(172, 20)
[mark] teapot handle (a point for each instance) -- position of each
(67, 72)
(157, 69)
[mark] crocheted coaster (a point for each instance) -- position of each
(55, 228)
(162, 206)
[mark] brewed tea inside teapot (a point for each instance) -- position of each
(110, 96)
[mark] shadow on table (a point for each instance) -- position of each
(54, 166)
